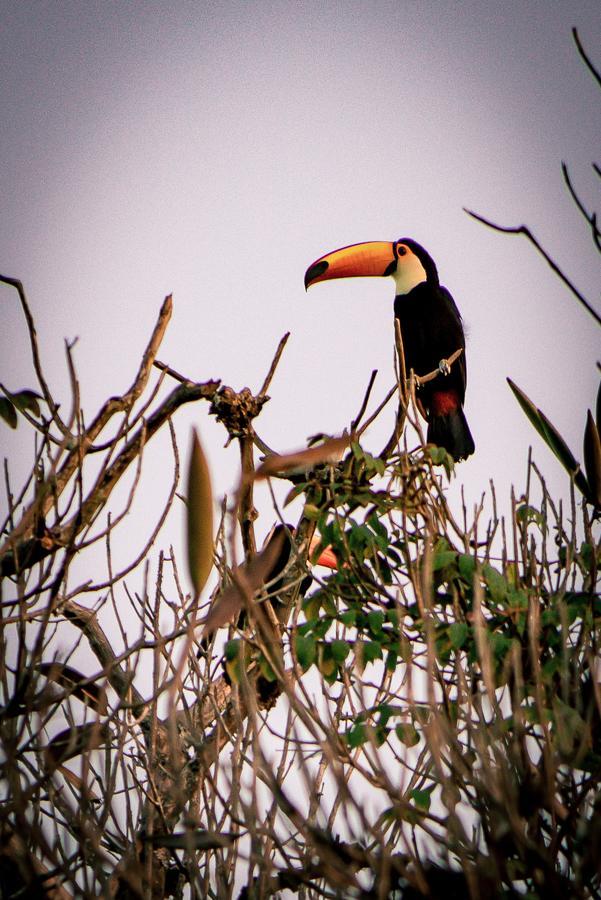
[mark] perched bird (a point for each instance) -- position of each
(266, 569)
(326, 558)
(430, 327)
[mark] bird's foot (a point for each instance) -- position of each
(444, 367)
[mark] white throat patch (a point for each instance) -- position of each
(409, 273)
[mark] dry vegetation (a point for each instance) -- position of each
(423, 721)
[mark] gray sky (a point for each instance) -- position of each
(214, 150)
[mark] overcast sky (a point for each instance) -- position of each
(214, 150)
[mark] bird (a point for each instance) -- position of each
(326, 558)
(267, 569)
(431, 328)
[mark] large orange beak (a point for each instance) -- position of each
(370, 258)
(326, 557)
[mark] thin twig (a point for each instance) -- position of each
(523, 229)
(273, 366)
(596, 75)
(32, 550)
(33, 339)
(591, 218)
(402, 389)
(363, 407)
(171, 372)
(378, 410)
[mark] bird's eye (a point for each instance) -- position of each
(401, 250)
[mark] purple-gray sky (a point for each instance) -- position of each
(214, 150)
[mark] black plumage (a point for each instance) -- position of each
(432, 331)
(430, 325)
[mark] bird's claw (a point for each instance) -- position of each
(444, 367)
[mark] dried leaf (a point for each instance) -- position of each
(200, 517)
(194, 840)
(76, 740)
(79, 685)
(253, 575)
(8, 412)
(330, 451)
(592, 459)
(79, 783)
(27, 400)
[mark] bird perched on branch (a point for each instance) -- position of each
(430, 326)
(264, 570)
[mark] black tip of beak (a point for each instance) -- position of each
(315, 271)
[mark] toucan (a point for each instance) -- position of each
(326, 558)
(430, 327)
(266, 569)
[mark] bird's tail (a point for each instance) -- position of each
(452, 432)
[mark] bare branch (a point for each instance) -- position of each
(523, 229)
(363, 406)
(591, 218)
(594, 72)
(33, 340)
(278, 353)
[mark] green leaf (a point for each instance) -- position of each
(528, 407)
(592, 459)
(326, 663)
(467, 566)
(379, 528)
(392, 660)
(407, 734)
(385, 712)
(356, 736)
(458, 633)
(565, 455)
(265, 669)
(422, 798)
(311, 512)
(587, 558)
(8, 412)
(495, 583)
(500, 645)
(232, 649)
(366, 652)
(312, 606)
(442, 559)
(357, 451)
(372, 650)
(294, 492)
(340, 651)
(376, 619)
(526, 514)
(552, 438)
(373, 464)
(440, 457)
(571, 731)
(200, 517)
